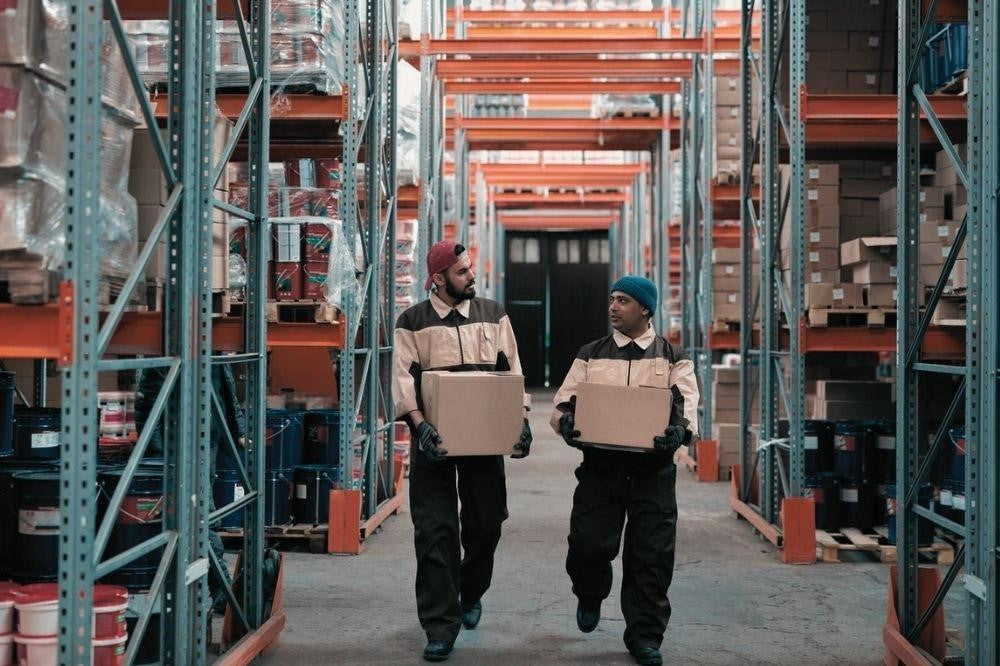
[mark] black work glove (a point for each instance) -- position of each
(523, 446)
(672, 439)
(567, 429)
(429, 441)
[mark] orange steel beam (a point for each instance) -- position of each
(528, 199)
(874, 107)
(540, 179)
(841, 133)
(597, 140)
(495, 169)
(294, 106)
(722, 16)
(151, 10)
(568, 124)
(576, 32)
(557, 68)
(554, 46)
(571, 87)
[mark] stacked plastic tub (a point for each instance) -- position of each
(406, 264)
(33, 102)
(36, 637)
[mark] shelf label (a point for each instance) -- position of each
(811, 443)
(238, 492)
(45, 440)
(301, 491)
(849, 495)
(838, 294)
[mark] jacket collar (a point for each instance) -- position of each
(443, 309)
(643, 340)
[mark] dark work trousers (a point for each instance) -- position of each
(447, 579)
(605, 497)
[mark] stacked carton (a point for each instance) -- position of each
(854, 400)
(872, 262)
(726, 415)
(727, 280)
(729, 127)
(148, 185)
(955, 203)
(862, 183)
(851, 46)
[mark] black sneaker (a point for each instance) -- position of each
(647, 656)
(471, 617)
(437, 650)
(587, 618)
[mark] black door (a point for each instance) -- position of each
(556, 295)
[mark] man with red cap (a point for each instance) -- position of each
(454, 331)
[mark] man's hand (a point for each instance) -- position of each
(523, 446)
(429, 441)
(671, 439)
(567, 429)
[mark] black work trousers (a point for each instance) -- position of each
(644, 502)
(447, 579)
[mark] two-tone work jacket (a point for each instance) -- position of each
(648, 360)
(431, 335)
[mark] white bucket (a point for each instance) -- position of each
(37, 650)
(6, 649)
(37, 618)
(6, 615)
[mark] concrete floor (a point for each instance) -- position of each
(733, 602)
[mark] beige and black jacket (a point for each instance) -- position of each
(648, 360)
(431, 335)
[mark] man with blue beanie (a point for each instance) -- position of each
(634, 491)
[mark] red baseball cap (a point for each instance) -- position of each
(440, 258)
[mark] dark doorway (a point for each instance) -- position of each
(555, 293)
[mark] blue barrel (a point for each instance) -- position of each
(283, 439)
(925, 528)
(36, 548)
(8, 506)
(818, 447)
(322, 437)
(824, 491)
(36, 432)
(848, 449)
(6, 413)
(313, 483)
(277, 497)
(958, 44)
(885, 449)
(857, 502)
(226, 489)
(139, 519)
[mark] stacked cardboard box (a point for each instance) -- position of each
(851, 46)
(872, 262)
(955, 201)
(148, 185)
(726, 415)
(729, 126)
(727, 280)
(855, 400)
(862, 182)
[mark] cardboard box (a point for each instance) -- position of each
(821, 276)
(874, 272)
(726, 374)
(822, 259)
(933, 253)
(726, 255)
(822, 195)
(476, 413)
(871, 248)
(727, 284)
(725, 298)
(822, 217)
(942, 231)
(826, 295)
(822, 174)
(861, 188)
(726, 312)
(960, 274)
(725, 270)
(858, 227)
(620, 416)
(880, 295)
(833, 410)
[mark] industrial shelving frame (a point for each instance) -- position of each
(977, 552)
(185, 402)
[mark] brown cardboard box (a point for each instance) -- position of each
(880, 295)
(822, 259)
(726, 312)
(725, 270)
(942, 231)
(822, 174)
(960, 274)
(868, 82)
(621, 416)
(725, 298)
(861, 188)
(822, 217)
(826, 295)
(726, 374)
(858, 227)
(823, 238)
(933, 253)
(721, 391)
(476, 413)
(864, 40)
(726, 255)
(822, 195)
(727, 284)
(871, 248)
(874, 272)
(929, 274)
(850, 409)
(821, 276)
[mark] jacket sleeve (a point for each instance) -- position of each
(404, 389)
(508, 345)
(562, 402)
(684, 389)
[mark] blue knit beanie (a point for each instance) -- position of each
(639, 288)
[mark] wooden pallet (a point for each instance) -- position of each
(950, 311)
(300, 312)
(852, 545)
(314, 535)
(726, 326)
(636, 112)
(852, 317)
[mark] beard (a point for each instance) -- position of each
(468, 294)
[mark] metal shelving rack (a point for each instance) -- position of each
(184, 404)
(368, 211)
(977, 553)
(432, 138)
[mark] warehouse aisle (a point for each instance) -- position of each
(733, 602)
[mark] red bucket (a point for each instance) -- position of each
(110, 602)
(109, 651)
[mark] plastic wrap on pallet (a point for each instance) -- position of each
(605, 106)
(341, 281)
(33, 220)
(292, 201)
(33, 130)
(410, 20)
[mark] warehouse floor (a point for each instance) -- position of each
(733, 602)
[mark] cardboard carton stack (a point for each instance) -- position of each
(728, 127)
(836, 367)
(851, 46)
(853, 400)
(872, 262)
(955, 202)
(148, 185)
(726, 282)
(862, 183)
(726, 415)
